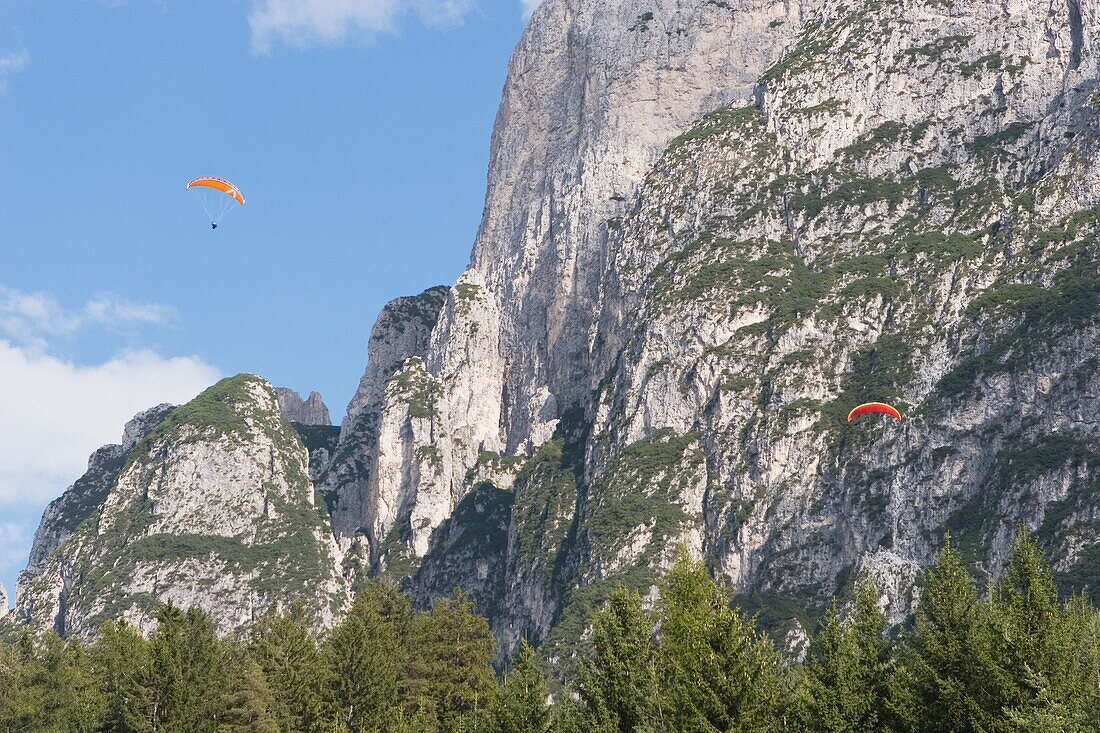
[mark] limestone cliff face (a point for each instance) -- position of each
(906, 211)
(142, 423)
(370, 479)
(595, 92)
(209, 506)
(80, 500)
(711, 230)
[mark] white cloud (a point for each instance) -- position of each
(529, 6)
(11, 63)
(31, 318)
(300, 22)
(305, 22)
(54, 413)
(443, 12)
(107, 310)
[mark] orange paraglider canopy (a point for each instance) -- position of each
(874, 407)
(219, 184)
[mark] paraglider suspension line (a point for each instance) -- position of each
(216, 205)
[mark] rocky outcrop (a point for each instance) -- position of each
(79, 501)
(310, 411)
(143, 423)
(595, 92)
(211, 507)
(85, 496)
(3, 601)
(65, 514)
(876, 224)
(366, 477)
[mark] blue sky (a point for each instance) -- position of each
(357, 129)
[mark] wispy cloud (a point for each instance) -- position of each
(306, 22)
(108, 310)
(11, 63)
(302, 22)
(33, 318)
(443, 12)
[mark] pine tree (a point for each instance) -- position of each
(452, 664)
(188, 672)
(48, 684)
(248, 703)
(845, 687)
(283, 645)
(1039, 645)
(365, 656)
(1084, 622)
(122, 660)
(715, 672)
(520, 706)
(616, 685)
(70, 700)
(401, 721)
(21, 700)
(948, 679)
(571, 716)
(11, 690)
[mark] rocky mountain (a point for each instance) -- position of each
(310, 411)
(207, 504)
(711, 229)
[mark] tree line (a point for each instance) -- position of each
(1013, 658)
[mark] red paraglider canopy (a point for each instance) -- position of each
(874, 407)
